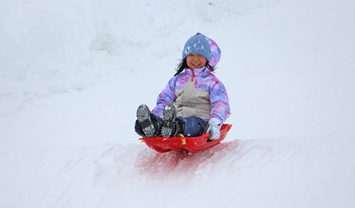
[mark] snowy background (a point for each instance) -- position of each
(72, 74)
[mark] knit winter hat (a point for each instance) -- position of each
(197, 44)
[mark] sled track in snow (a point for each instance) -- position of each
(275, 172)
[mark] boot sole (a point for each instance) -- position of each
(143, 117)
(168, 126)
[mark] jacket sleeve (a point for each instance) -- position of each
(219, 102)
(167, 96)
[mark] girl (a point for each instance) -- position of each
(194, 101)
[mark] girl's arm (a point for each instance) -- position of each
(219, 102)
(167, 96)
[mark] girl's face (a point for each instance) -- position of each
(195, 61)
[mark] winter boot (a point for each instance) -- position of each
(147, 121)
(180, 126)
(169, 126)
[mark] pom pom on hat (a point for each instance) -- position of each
(197, 44)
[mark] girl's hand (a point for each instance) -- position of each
(214, 126)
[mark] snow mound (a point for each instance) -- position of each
(240, 173)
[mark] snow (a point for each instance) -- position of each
(72, 74)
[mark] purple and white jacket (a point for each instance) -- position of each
(202, 80)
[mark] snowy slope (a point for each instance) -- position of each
(73, 73)
(241, 173)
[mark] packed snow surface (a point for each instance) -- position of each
(72, 74)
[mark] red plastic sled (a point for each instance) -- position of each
(192, 144)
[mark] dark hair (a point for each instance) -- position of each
(183, 65)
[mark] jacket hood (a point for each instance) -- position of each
(215, 51)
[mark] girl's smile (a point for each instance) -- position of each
(195, 61)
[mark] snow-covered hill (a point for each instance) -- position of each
(72, 74)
